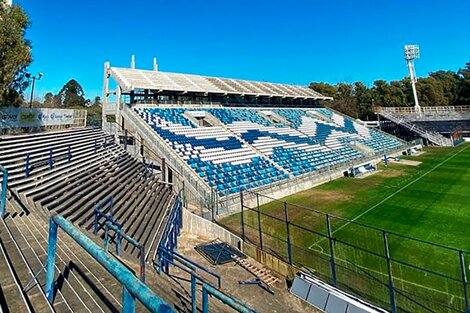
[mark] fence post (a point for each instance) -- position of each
(391, 290)
(242, 215)
(259, 223)
(128, 301)
(289, 248)
(464, 280)
(50, 265)
(193, 293)
(69, 154)
(125, 139)
(51, 161)
(332, 250)
(3, 199)
(205, 301)
(27, 165)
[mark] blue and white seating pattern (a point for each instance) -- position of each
(294, 151)
(338, 131)
(215, 154)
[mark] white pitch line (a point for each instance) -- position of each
(390, 196)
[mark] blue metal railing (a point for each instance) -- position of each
(228, 300)
(132, 286)
(3, 195)
(50, 161)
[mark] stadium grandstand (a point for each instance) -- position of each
(227, 135)
(104, 220)
(439, 125)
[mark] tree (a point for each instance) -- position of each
(48, 99)
(72, 94)
(464, 92)
(97, 100)
(364, 100)
(15, 54)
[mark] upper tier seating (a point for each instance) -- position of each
(215, 154)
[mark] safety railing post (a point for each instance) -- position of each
(125, 139)
(242, 215)
(332, 250)
(289, 247)
(464, 281)
(69, 154)
(128, 301)
(193, 293)
(205, 301)
(50, 263)
(51, 159)
(260, 231)
(3, 195)
(27, 166)
(391, 289)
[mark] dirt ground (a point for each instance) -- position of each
(231, 273)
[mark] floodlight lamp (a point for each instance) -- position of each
(411, 52)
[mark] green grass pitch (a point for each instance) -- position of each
(429, 202)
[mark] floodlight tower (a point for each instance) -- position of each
(412, 53)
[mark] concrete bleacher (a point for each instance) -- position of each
(74, 186)
(87, 167)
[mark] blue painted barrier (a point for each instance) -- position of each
(133, 287)
(3, 195)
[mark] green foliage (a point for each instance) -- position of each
(15, 54)
(72, 94)
(441, 88)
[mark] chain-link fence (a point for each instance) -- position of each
(396, 272)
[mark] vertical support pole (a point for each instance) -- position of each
(118, 244)
(95, 226)
(51, 161)
(142, 263)
(105, 144)
(193, 294)
(163, 169)
(242, 215)
(128, 301)
(3, 195)
(27, 166)
(125, 139)
(391, 290)
(464, 281)
(259, 223)
(50, 264)
(205, 301)
(332, 250)
(289, 247)
(69, 154)
(106, 236)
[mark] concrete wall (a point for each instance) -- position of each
(200, 226)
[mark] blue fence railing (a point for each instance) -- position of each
(132, 287)
(3, 195)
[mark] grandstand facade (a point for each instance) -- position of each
(221, 136)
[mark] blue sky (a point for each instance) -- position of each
(295, 41)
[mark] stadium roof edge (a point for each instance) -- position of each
(131, 79)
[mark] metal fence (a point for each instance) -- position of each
(396, 272)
